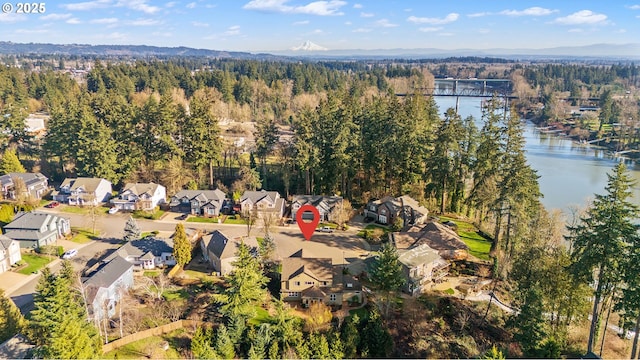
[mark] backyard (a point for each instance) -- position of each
(479, 246)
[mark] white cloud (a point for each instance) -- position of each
(31, 31)
(367, 15)
(446, 34)
(303, 22)
(362, 30)
(144, 22)
(139, 5)
(582, 17)
(162, 34)
(484, 31)
(321, 8)
(233, 30)
(170, 4)
(357, 6)
(191, 5)
(479, 14)
(430, 29)
(385, 23)
(434, 21)
(112, 36)
(532, 11)
(348, 23)
(12, 18)
(575, 30)
(634, 7)
(74, 21)
(199, 24)
(55, 17)
(87, 5)
(104, 21)
(408, 10)
(621, 31)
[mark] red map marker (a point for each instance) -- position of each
(308, 228)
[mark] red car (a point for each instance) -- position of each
(52, 204)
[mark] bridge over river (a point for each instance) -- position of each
(469, 87)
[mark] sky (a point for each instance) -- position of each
(275, 25)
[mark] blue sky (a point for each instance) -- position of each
(265, 25)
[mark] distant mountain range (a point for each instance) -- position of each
(310, 50)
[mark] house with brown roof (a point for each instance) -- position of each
(220, 250)
(140, 196)
(83, 191)
(262, 202)
(422, 267)
(437, 236)
(386, 210)
(316, 280)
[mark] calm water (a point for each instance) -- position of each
(570, 173)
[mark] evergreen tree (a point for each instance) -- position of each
(260, 342)
(181, 246)
(529, 323)
(201, 344)
(350, 336)
(11, 320)
(224, 345)
(376, 340)
(386, 273)
(600, 241)
(319, 346)
(246, 285)
(131, 230)
(10, 163)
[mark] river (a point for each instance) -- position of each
(570, 173)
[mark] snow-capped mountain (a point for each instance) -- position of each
(309, 46)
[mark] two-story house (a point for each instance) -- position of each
(316, 280)
(386, 210)
(220, 250)
(9, 253)
(208, 203)
(105, 288)
(140, 196)
(422, 267)
(36, 229)
(262, 202)
(23, 185)
(146, 254)
(83, 191)
(324, 204)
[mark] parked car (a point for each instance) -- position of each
(70, 253)
(113, 210)
(182, 217)
(326, 229)
(52, 204)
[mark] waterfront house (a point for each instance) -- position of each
(35, 229)
(83, 191)
(422, 267)
(23, 185)
(140, 196)
(106, 287)
(437, 236)
(324, 204)
(9, 253)
(386, 210)
(208, 203)
(219, 250)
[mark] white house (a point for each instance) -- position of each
(105, 287)
(83, 191)
(220, 250)
(9, 253)
(140, 196)
(263, 202)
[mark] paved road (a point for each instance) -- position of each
(344, 247)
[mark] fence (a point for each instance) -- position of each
(157, 331)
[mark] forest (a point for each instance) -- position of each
(339, 128)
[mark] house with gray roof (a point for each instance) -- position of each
(23, 185)
(9, 253)
(104, 288)
(83, 191)
(35, 229)
(147, 254)
(140, 196)
(262, 202)
(220, 250)
(208, 203)
(386, 210)
(422, 267)
(324, 204)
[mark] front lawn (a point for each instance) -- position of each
(194, 219)
(82, 210)
(369, 228)
(479, 246)
(235, 219)
(34, 263)
(82, 236)
(149, 215)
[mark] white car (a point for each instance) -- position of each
(326, 229)
(113, 210)
(69, 254)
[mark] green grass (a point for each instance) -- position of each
(142, 349)
(83, 236)
(152, 273)
(35, 263)
(323, 224)
(450, 291)
(194, 219)
(370, 227)
(199, 275)
(262, 316)
(74, 209)
(478, 245)
(362, 313)
(235, 219)
(149, 215)
(172, 295)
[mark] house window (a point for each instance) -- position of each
(297, 283)
(349, 285)
(332, 297)
(383, 212)
(309, 282)
(324, 283)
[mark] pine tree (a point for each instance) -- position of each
(224, 344)
(319, 346)
(11, 320)
(201, 344)
(10, 163)
(350, 336)
(600, 241)
(376, 340)
(131, 230)
(387, 274)
(181, 246)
